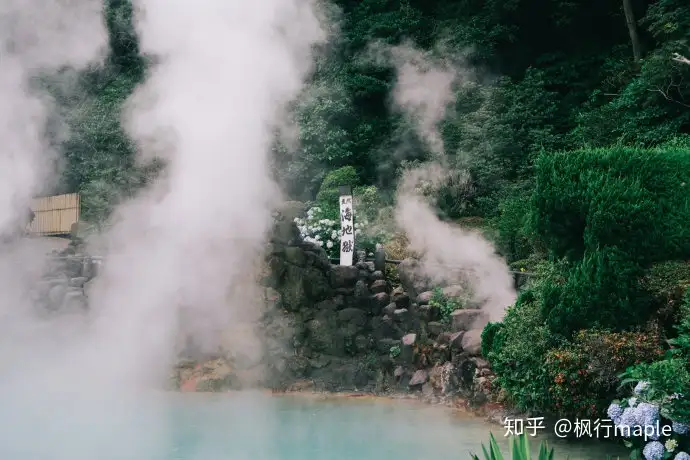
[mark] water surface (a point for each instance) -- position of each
(252, 426)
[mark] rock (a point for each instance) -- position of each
(409, 339)
(455, 340)
(320, 362)
(379, 286)
(427, 390)
(344, 276)
(362, 343)
(316, 285)
(407, 348)
(378, 302)
(78, 282)
(320, 335)
(480, 363)
(435, 328)
(290, 210)
(412, 279)
(401, 299)
(377, 275)
(361, 291)
(295, 256)
(419, 378)
(384, 329)
(463, 320)
(455, 291)
(353, 316)
(390, 309)
(425, 297)
(398, 372)
(401, 315)
(472, 342)
(74, 267)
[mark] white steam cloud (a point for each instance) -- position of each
(221, 76)
(223, 73)
(424, 92)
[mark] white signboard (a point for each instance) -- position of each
(347, 230)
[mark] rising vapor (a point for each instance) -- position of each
(190, 246)
(221, 75)
(423, 93)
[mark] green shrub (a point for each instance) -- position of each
(329, 192)
(667, 283)
(631, 199)
(602, 290)
(669, 378)
(584, 373)
(446, 306)
(518, 349)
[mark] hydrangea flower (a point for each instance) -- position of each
(614, 413)
(682, 456)
(632, 401)
(679, 428)
(671, 445)
(648, 414)
(653, 451)
(640, 387)
(628, 419)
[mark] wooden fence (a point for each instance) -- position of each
(54, 215)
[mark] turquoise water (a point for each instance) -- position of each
(242, 427)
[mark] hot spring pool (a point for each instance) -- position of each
(253, 426)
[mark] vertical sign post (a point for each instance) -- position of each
(347, 228)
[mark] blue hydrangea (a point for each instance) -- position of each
(632, 401)
(653, 451)
(627, 419)
(648, 414)
(614, 413)
(679, 428)
(640, 387)
(681, 456)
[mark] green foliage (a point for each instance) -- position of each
(329, 192)
(584, 373)
(631, 199)
(612, 212)
(670, 377)
(602, 290)
(517, 352)
(445, 305)
(519, 450)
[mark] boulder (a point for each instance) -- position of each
(419, 378)
(378, 302)
(401, 299)
(425, 297)
(344, 276)
(435, 328)
(379, 286)
(463, 320)
(472, 342)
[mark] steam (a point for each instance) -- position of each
(424, 92)
(183, 256)
(36, 37)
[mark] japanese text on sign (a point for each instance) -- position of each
(347, 234)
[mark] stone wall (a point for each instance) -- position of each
(353, 331)
(328, 327)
